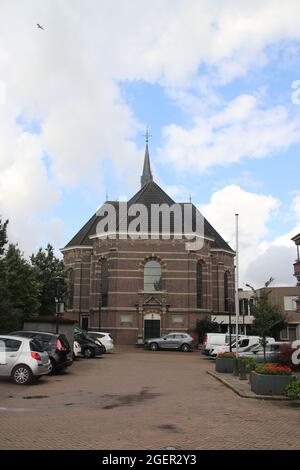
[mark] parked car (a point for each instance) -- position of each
(56, 345)
(181, 341)
(76, 349)
(23, 359)
(244, 343)
(212, 340)
(89, 346)
(105, 339)
(256, 352)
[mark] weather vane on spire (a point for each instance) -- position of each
(147, 135)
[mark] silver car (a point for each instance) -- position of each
(256, 352)
(23, 359)
(180, 341)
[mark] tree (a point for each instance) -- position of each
(19, 288)
(22, 286)
(51, 277)
(205, 325)
(268, 319)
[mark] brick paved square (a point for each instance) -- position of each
(136, 399)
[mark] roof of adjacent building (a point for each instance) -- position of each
(150, 194)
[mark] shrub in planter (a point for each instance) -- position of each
(293, 389)
(226, 355)
(225, 362)
(250, 364)
(270, 379)
(273, 369)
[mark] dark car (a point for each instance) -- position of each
(89, 346)
(57, 347)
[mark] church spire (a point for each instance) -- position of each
(147, 174)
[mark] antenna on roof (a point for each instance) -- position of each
(190, 198)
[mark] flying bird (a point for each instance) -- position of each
(39, 26)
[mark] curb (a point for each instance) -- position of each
(248, 395)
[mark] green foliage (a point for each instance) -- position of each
(293, 389)
(23, 288)
(49, 271)
(27, 287)
(206, 326)
(267, 316)
(250, 364)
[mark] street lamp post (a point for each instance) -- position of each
(59, 304)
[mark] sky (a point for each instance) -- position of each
(218, 83)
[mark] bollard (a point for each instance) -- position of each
(242, 367)
(236, 368)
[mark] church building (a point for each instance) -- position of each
(141, 286)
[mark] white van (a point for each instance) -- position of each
(213, 340)
(244, 343)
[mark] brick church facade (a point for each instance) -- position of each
(143, 287)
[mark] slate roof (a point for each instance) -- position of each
(150, 193)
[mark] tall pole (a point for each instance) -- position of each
(237, 306)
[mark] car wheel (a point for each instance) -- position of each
(153, 346)
(52, 367)
(185, 348)
(22, 375)
(88, 353)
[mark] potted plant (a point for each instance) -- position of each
(270, 379)
(225, 362)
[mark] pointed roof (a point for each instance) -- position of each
(147, 174)
(150, 193)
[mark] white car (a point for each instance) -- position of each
(243, 344)
(76, 349)
(22, 359)
(104, 338)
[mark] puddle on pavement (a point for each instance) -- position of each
(35, 397)
(169, 427)
(129, 400)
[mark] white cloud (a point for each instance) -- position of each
(255, 211)
(260, 257)
(67, 79)
(241, 130)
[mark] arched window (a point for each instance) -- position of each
(152, 276)
(104, 283)
(199, 284)
(226, 292)
(71, 289)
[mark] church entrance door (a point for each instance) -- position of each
(151, 329)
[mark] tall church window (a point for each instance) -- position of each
(104, 283)
(152, 276)
(226, 292)
(199, 284)
(71, 289)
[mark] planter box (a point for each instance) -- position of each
(224, 365)
(262, 384)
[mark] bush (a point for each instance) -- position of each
(250, 364)
(226, 355)
(293, 389)
(273, 369)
